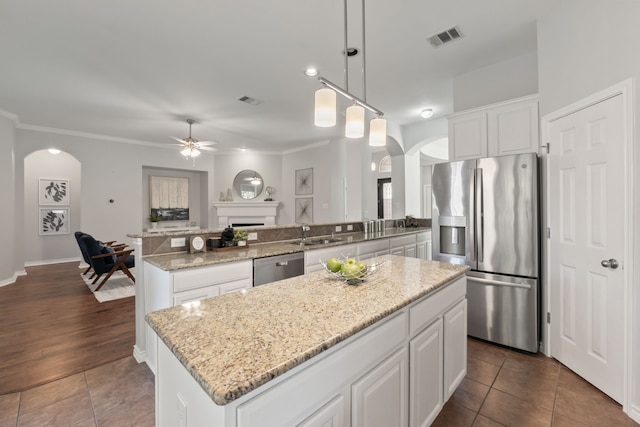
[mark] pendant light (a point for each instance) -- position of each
(325, 100)
(325, 111)
(378, 132)
(354, 126)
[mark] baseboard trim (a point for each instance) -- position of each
(139, 355)
(50, 261)
(13, 278)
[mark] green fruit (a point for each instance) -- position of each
(334, 265)
(350, 270)
(363, 268)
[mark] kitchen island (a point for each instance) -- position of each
(312, 349)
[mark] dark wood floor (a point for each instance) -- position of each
(53, 327)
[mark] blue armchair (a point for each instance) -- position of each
(104, 259)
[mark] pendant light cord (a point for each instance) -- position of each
(346, 52)
(364, 59)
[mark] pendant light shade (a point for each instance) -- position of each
(325, 109)
(378, 132)
(354, 127)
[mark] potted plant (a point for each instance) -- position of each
(240, 237)
(154, 220)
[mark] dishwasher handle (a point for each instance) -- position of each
(282, 263)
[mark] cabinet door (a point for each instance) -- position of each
(513, 128)
(379, 398)
(410, 251)
(398, 251)
(422, 250)
(468, 136)
(426, 381)
(455, 347)
(330, 415)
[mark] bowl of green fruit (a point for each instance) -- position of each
(349, 269)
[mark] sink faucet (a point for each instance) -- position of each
(305, 228)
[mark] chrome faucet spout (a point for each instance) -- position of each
(305, 228)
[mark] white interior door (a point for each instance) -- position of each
(586, 217)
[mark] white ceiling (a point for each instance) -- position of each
(137, 70)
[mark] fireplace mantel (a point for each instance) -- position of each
(246, 213)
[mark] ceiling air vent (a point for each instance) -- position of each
(249, 100)
(445, 37)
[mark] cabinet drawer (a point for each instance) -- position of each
(373, 247)
(424, 236)
(402, 241)
(215, 275)
(424, 312)
(195, 295)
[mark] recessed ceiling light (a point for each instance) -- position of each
(244, 149)
(426, 113)
(311, 72)
(54, 151)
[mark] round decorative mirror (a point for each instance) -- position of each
(248, 184)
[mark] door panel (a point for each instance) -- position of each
(586, 215)
(507, 221)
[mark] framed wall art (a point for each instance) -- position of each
(53, 192)
(54, 221)
(304, 181)
(304, 210)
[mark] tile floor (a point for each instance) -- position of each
(509, 388)
(502, 388)
(118, 394)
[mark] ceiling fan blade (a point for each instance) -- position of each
(207, 143)
(182, 141)
(207, 149)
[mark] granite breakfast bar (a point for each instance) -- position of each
(311, 349)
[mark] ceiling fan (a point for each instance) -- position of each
(191, 146)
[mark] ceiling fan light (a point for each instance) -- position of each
(195, 152)
(325, 108)
(378, 132)
(186, 152)
(354, 127)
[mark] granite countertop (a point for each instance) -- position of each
(231, 348)
(182, 260)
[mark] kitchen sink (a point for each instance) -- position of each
(313, 242)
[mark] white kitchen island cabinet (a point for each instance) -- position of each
(324, 353)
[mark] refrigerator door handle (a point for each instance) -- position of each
(499, 283)
(472, 216)
(480, 214)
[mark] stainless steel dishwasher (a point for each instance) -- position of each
(273, 268)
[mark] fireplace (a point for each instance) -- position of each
(246, 213)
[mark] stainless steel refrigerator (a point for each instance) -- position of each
(485, 215)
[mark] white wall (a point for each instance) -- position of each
(9, 262)
(504, 80)
(59, 247)
(586, 46)
(326, 159)
(268, 165)
(110, 170)
(412, 185)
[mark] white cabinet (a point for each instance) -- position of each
(312, 258)
(397, 372)
(468, 136)
(505, 128)
(403, 245)
(455, 347)
(380, 396)
(426, 363)
(424, 245)
(330, 415)
(373, 248)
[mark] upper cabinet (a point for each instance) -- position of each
(505, 128)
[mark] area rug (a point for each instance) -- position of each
(118, 286)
